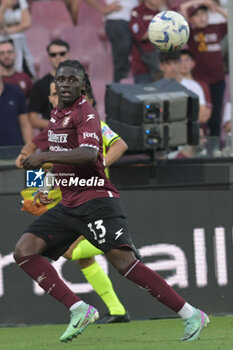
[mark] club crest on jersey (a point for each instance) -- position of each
(66, 121)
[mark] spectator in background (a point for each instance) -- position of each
(73, 7)
(145, 63)
(10, 76)
(15, 125)
(58, 51)
(204, 44)
(187, 64)
(226, 120)
(118, 32)
(170, 65)
(15, 18)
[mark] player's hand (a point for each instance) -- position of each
(35, 161)
(115, 6)
(19, 159)
(43, 198)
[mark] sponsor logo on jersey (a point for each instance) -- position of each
(82, 102)
(109, 134)
(58, 138)
(66, 121)
(90, 116)
(118, 233)
(90, 134)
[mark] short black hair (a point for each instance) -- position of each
(170, 56)
(73, 64)
(58, 42)
(186, 52)
(7, 41)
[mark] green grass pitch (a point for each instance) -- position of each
(136, 335)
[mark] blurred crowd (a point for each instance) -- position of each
(110, 37)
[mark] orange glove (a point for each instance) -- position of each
(33, 208)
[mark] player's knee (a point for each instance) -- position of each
(121, 259)
(83, 263)
(18, 252)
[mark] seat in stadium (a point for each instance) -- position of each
(52, 15)
(37, 39)
(83, 40)
(101, 67)
(88, 14)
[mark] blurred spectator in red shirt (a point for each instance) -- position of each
(140, 19)
(10, 76)
(204, 44)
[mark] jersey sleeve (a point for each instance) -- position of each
(89, 130)
(41, 140)
(109, 136)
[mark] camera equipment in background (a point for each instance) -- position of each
(157, 116)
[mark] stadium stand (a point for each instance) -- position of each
(37, 39)
(51, 15)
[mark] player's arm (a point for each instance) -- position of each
(116, 150)
(37, 122)
(25, 127)
(26, 151)
(39, 141)
(104, 9)
(81, 156)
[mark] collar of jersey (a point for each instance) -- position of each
(65, 111)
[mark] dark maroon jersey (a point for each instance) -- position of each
(41, 140)
(78, 126)
(206, 49)
(140, 19)
(20, 79)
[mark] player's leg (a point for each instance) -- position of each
(102, 285)
(51, 243)
(108, 231)
(83, 252)
(133, 269)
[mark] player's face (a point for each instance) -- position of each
(200, 19)
(53, 99)
(7, 55)
(57, 54)
(186, 64)
(69, 85)
(171, 69)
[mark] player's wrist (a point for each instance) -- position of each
(24, 154)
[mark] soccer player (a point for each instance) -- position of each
(95, 211)
(82, 250)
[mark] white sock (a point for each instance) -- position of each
(186, 311)
(75, 305)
